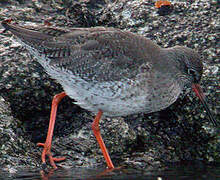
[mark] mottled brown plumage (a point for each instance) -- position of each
(116, 71)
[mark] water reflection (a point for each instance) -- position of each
(174, 172)
(88, 174)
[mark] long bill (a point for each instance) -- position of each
(198, 90)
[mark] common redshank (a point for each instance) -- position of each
(110, 71)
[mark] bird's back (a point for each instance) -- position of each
(100, 54)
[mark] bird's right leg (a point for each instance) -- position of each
(96, 131)
(47, 145)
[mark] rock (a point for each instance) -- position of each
(181, 132)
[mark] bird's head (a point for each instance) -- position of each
(189, 64)
(190, 69)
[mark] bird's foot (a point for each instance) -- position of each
(47, 152)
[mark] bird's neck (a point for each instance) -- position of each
(174, 58)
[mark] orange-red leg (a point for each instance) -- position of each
(96, 131)
(47, 145)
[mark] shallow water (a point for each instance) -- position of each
(175, 172)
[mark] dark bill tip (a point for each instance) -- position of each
(197, 89)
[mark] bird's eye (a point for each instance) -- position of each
(192, 72)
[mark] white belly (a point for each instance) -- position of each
(126, 100)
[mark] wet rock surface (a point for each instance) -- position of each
(182, 132)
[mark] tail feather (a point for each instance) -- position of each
(38, 38)
(21, 32)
